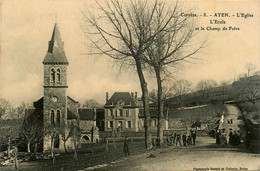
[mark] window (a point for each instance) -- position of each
(121, 112)
(52, 75)
(52, 117)
(116, 113)
(154, 122)
(120, 125)
(127, 112)
(111, 112)
(58, 75)
(110, 124)
(129, 124)
(58, 117)
(56, 142)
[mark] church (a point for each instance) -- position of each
(56, 113)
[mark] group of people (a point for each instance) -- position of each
(233, 138)
(182, 139)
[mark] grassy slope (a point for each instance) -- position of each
(203, 114)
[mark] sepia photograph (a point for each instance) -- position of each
(130, 85)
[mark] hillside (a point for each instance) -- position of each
(246, 89)
(186, 117)
(205, 106)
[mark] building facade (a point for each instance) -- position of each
(56, 112)
(121, 112)
(124, 112)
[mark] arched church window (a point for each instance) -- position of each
(58, 75)
(53, 75)
(58, 117)
(52, 117)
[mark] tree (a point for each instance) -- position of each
(171, 47)
(205, 89)
(206, 85)
(53, 131)
(180, 88)
(123, 32)
(90, 103)
(247, 89)
(29, 132)
(66, 132)
(250, 67)
(5, 107)
(75, 134)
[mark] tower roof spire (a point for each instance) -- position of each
(55, 52)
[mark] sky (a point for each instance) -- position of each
(27, 25)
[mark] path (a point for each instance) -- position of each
(204, 155)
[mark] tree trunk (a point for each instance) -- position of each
(159, 106)
(52, 150)
(52, 147)
(75, 144)
(145, 98)
(28, 146)
(16, 166)
(35, 149)
(65, 149)
(9, 148)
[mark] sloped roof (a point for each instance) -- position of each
(55, 52)
(28, 112)
(86, 114)
(124, 96)
(70, 114)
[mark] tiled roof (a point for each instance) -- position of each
(86, 114)
(124, 96)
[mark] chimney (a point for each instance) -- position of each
(136, 96)
(106, 96)
(132, 94)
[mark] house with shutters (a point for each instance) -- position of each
(121, 112)
(124, 112)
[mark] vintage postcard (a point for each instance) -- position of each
(130, 85)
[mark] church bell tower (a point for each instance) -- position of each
(55, 82)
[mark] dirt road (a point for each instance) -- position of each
(204, 156)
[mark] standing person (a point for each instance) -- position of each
(189, 140)
(171, 140)
(178, 139)
(106, 141)
(194, 134)
(248, 139)
(168, 141)
(126, 147)
(231, 138)
(174, 137)
(184, 138)
(218, 137)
